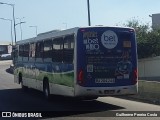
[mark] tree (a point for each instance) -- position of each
(148, 40)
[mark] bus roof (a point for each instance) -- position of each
(47, 35)
(57, 33)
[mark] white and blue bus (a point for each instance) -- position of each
(86, 62)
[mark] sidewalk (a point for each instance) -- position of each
(5, 61)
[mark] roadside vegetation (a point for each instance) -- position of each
(148, 39)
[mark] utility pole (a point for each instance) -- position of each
(11, 28)
(89, 21)
(12, 5)
(20, 19)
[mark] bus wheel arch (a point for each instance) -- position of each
(46, 89)
(19, 78)
(20, 81)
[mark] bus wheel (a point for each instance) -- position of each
(24, 88)
(46, 90)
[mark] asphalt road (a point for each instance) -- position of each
(12, 98)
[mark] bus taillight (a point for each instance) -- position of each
(80, 77)
(135, 76)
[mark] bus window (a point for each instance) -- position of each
(39, 50)
(57, 50)
(15, 54)
(48, 49)
(32, 51)
(21, 50)
(68, 49)
(26, 52)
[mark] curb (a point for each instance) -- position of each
(5, 61)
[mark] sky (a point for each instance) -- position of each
(49, 15)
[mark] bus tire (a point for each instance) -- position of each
(46, 90)
(24, 88)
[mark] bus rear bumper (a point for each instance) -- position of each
(106, 91)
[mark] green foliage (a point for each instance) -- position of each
(148, 40)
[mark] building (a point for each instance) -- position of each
(5, 48)
(155, 21)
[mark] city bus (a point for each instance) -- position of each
(81, 62)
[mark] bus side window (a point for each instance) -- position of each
(48, 49)
(26, 52)
(39, 51)
(57, 50)
(32, 52)
(68, 50)
(21, 48)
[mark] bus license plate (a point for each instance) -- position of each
(105, 80)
